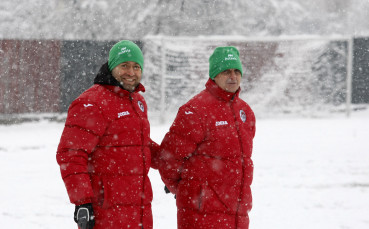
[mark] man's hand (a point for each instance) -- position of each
(84, 216)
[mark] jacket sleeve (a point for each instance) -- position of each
(155, 149)
(178, 145)
(253, 126)
(84, 126)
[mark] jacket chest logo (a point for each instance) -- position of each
(124, 113)
(87, 105)
(141, 106)
(243, 116)
(221, 123)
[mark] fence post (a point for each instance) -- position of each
(349, 76)
(163, 79)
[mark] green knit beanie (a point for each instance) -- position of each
(125, 51)
(224, 58)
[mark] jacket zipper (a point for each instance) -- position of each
(242, 162)
(143, 161)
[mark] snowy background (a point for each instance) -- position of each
(117, 19)
(309, 173)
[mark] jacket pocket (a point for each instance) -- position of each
(122, 190)
(201, 199)
(210, 201)
(200, 196)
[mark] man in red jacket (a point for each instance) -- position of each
(206, 155)
(105, 149)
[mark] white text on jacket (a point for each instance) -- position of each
(124, 113)
(221, 123)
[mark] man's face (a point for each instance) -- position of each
(128, 74)
(229, 80)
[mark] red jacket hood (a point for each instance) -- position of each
(104, 77)
(216, 91)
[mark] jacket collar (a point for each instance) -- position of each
(218, 92)
(104, 77)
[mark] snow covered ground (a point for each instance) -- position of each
(309, 173)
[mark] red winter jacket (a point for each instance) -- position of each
(104, 154)
(206, 160)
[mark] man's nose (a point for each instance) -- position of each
(232, 75)
(130, 70)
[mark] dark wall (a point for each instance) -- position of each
(79, 63)
(29, 76)
(360, 76)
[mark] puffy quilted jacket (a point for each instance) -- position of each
(105, 154)
(206, 160)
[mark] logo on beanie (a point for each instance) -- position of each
(124, 50)
(230, 57)
(243, 116)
